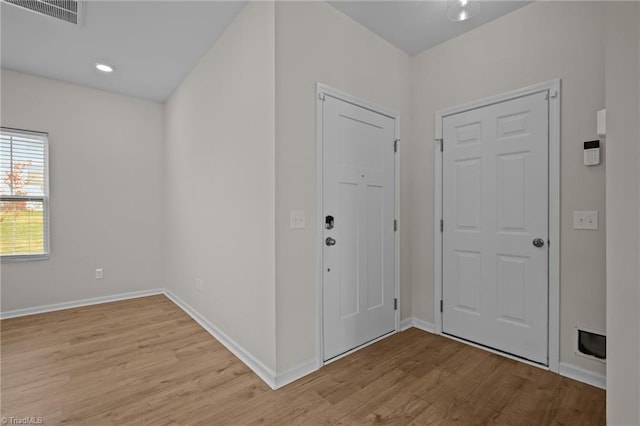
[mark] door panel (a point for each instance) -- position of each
(348, 246)
(511, 192)
(468, 178)
(358, 191)
(511, 285)
(468, 280)
(495, 203)
(375, 254)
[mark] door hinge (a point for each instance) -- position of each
(441, 225)
(321, 96)
(441, 142)
(395, 145)
(441, 306)
(395, 225)
(395, 304)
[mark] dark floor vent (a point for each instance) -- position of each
(592, 344)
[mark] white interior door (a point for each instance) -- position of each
(495, 241)
(358, 240)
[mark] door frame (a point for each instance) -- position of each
(323, 90)
(553, 87)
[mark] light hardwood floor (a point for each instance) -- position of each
(145, 362)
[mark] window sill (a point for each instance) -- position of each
(23, 258)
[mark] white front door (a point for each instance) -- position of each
(495, 210)
(358, 217)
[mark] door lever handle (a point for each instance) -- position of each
(330, 241)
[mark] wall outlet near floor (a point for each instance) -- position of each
(198, 284)
(585, 220)
(99, 274)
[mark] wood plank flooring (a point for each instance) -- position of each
(145, 362)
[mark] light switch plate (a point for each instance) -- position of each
(585, 220)
(298, 220)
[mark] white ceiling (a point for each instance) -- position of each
(414, 26)
(154, 44)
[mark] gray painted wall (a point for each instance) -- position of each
(106, 173)
(539, 42)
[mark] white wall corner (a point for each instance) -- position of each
(264, 372)
(79, 303)
(293, 374)
(417, 323)
(406, 324)
(423, 325)
(582, 375)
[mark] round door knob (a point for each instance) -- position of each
(330, 241)
(538, 242)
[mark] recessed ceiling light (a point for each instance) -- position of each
(104, 67)
(461, 10)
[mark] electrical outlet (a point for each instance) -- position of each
(297, 219)
(585, 220)
(99, 274)
(198, 284)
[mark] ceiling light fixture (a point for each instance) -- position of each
(461, 10)
(104, 67)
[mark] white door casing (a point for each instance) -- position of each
(495, 203)
(358, 191)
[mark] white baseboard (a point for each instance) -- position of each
(406, 323)
(79, 303)
(423, 325)
(264, 372)
(272, 379)
(417, 323)
(582, 375)
(566, 370)
(296, 373)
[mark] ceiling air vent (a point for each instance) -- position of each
(63, 10)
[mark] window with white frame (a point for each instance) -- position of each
(24, 195)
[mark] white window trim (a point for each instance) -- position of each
(45, 199)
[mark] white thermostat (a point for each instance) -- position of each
(592, 153)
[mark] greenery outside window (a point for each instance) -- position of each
(24, 195)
